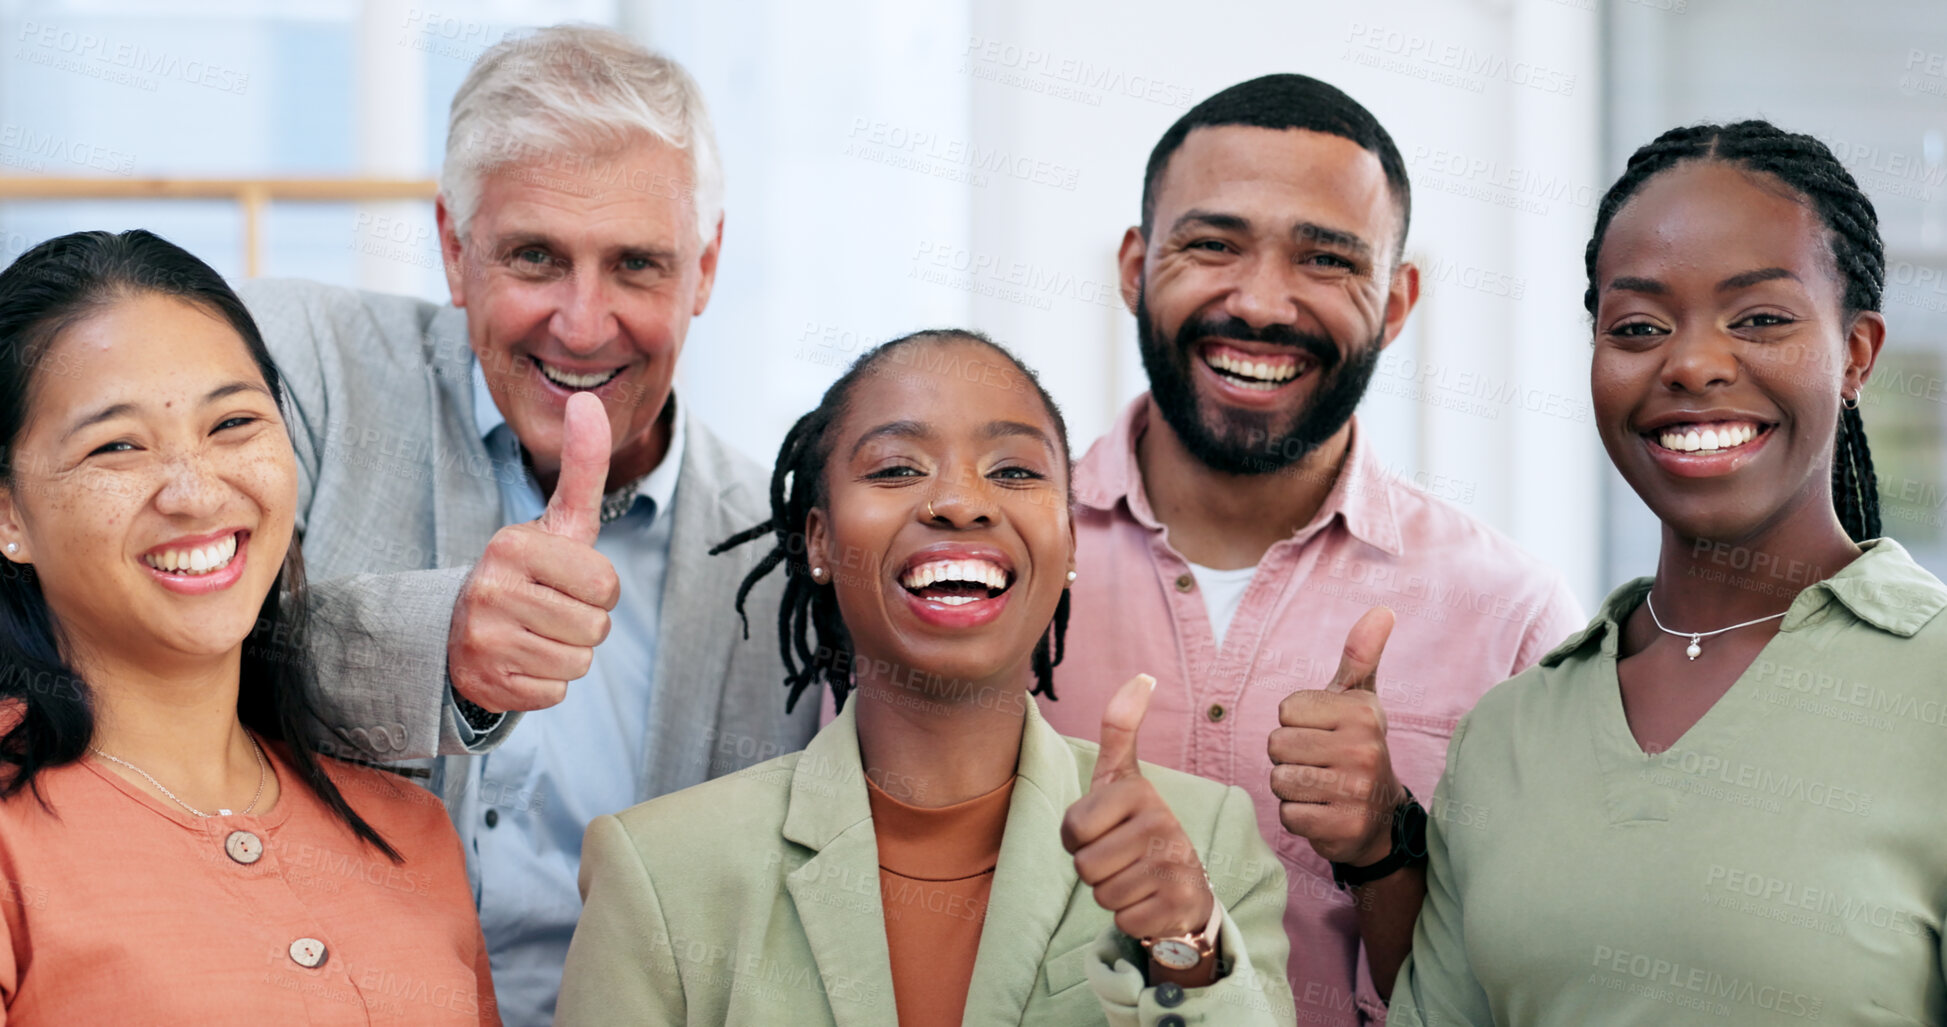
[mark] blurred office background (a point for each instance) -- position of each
(893, 165)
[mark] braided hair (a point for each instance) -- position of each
(810, 631)
(1809, 168)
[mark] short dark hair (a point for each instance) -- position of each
(50, 288)
(1280, 102)
(809, 613)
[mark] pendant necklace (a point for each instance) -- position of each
(1695, 648)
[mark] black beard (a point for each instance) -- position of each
(1233, 441)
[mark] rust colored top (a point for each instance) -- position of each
(936, 868)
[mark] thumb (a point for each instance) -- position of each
(1359, 666)
(1120, 722)
(575, 509)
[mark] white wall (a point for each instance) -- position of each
(1494, 105)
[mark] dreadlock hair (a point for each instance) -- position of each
(810, 631)
(1808, 168)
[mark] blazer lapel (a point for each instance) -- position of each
(1033, 882)
(836, 891)
(692, 645)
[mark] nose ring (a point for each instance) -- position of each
(930, 515)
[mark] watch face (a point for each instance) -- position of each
(1175, 953)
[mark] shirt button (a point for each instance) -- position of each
(244, 847)
(1169, 994)
(1171, 1020)
(493, 818)
(1185, 582)
(308, 953)
(1216, 711)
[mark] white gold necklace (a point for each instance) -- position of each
(262, 768)
(1695, 648)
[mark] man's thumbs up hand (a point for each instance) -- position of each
(1127, 844)
(536, 605)
(1330, 767)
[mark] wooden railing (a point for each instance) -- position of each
(252, 194)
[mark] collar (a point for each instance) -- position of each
(828, 792)
(1883, 588)
(658, 486)
(1361, 498)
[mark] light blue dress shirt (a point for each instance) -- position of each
(529, 800)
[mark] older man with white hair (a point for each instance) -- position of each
(501, 496)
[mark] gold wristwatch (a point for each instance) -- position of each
(1186, 951)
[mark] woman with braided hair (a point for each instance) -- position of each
(937, 854)
(1718, 803)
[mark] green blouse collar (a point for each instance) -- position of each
(1883, 588)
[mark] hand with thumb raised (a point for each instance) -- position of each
(1128, 845)
(536, 605)
(1330, 767)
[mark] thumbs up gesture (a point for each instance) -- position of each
(1127, 844)
(1330, 767)
(536, 605)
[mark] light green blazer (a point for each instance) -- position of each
(754, 899)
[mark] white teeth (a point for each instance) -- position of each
(576, 381)
(1263, 371)
(978, 572)
(200, 560)
(1706, 438)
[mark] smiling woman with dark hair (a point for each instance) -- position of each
(1718, 803)
(938, 854)
(173, 849)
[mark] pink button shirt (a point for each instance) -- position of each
(1473, 609)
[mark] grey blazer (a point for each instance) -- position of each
(397, 498)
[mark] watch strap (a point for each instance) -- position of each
(1409, 847)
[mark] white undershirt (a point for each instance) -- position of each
(1223, 592)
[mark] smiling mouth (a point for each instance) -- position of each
(573, 381)
(956, 582)
(1256, 371)
(1707, 437)
(195, 561)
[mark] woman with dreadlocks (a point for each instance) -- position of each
(1719, 802)
(938, 854)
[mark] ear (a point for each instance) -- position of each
(12, 531)
(1402, 294)
(1129, 263)
(1863, 340)
(817, 544)
(707, 264)
(450, 251)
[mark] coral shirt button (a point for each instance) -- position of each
(308, 952)
(244, 847)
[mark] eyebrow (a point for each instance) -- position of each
(1330, 236)
(114, 410)
(1302, 231)
(1751, 278)
(513, 242)
(994, 431)
(892, 430)
(1738, 281)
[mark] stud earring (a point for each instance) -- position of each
(1071, 577)
(13, 547)
(817, 574)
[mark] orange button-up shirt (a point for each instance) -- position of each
(121, 908)
(1473, 608)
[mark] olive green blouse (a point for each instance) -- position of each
(1784, 862)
